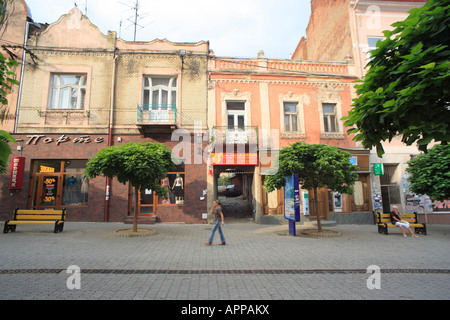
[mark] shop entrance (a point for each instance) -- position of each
(45, 193)
(58, 183)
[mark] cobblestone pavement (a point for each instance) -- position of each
(259, 262)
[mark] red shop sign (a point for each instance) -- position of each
(16, 177)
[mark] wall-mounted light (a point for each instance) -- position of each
(182, 54)
(20, 147)
(119, 139)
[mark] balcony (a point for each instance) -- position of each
(156, 118)
(234, 135)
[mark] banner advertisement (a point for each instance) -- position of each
(16, 176)
(291, 198)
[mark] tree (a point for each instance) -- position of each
(406, 91)
(430, 173)
(143, 165)
(5, 149)
(317, 166)
(7, 80)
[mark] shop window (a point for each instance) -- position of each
(75, 184)
(175, 184)
(58, 183)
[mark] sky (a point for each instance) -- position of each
(234, 28)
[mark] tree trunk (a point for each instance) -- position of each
(136, 208)
(316, 209)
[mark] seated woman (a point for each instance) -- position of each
(397, 220)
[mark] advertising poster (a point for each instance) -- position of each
(291, 198)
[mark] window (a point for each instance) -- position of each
(329, 117)
(159, 99)
(236, 115)
(290, 117)
(372, 42)
(59, 183)
(67, 91)
(161, 92)
(75, 184)
(174, 182)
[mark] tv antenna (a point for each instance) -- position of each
(135, 17)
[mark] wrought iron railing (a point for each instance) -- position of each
(150, 113)
(234, 135)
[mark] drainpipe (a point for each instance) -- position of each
(111, 117)
(19, 95)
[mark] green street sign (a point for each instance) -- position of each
(378, 169)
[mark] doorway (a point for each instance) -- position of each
(234, 191)
(58, 183)
(45, 191)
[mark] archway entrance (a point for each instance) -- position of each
(235, 192)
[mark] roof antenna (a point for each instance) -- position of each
(135, 8)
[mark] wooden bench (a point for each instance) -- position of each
(47, 216)
(384, 222)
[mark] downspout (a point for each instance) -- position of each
(111, 117)
(358, 49)
(19, 95)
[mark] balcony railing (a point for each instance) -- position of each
(156, 114)
(234, 135)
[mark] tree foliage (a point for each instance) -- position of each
(317, 166)
(143, 165)
(430, 173)
(5, 149)
(7, 80)
(406, 91)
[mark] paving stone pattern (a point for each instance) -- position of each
(259, 262)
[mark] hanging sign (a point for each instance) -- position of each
(378, 169)
(16, 176)
(234, 158)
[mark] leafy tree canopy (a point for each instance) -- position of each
(7, 77)
(406, 91)
(430, 173)
(5, 149)
(143, 165)
(317, 165)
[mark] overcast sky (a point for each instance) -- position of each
(234, 28)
